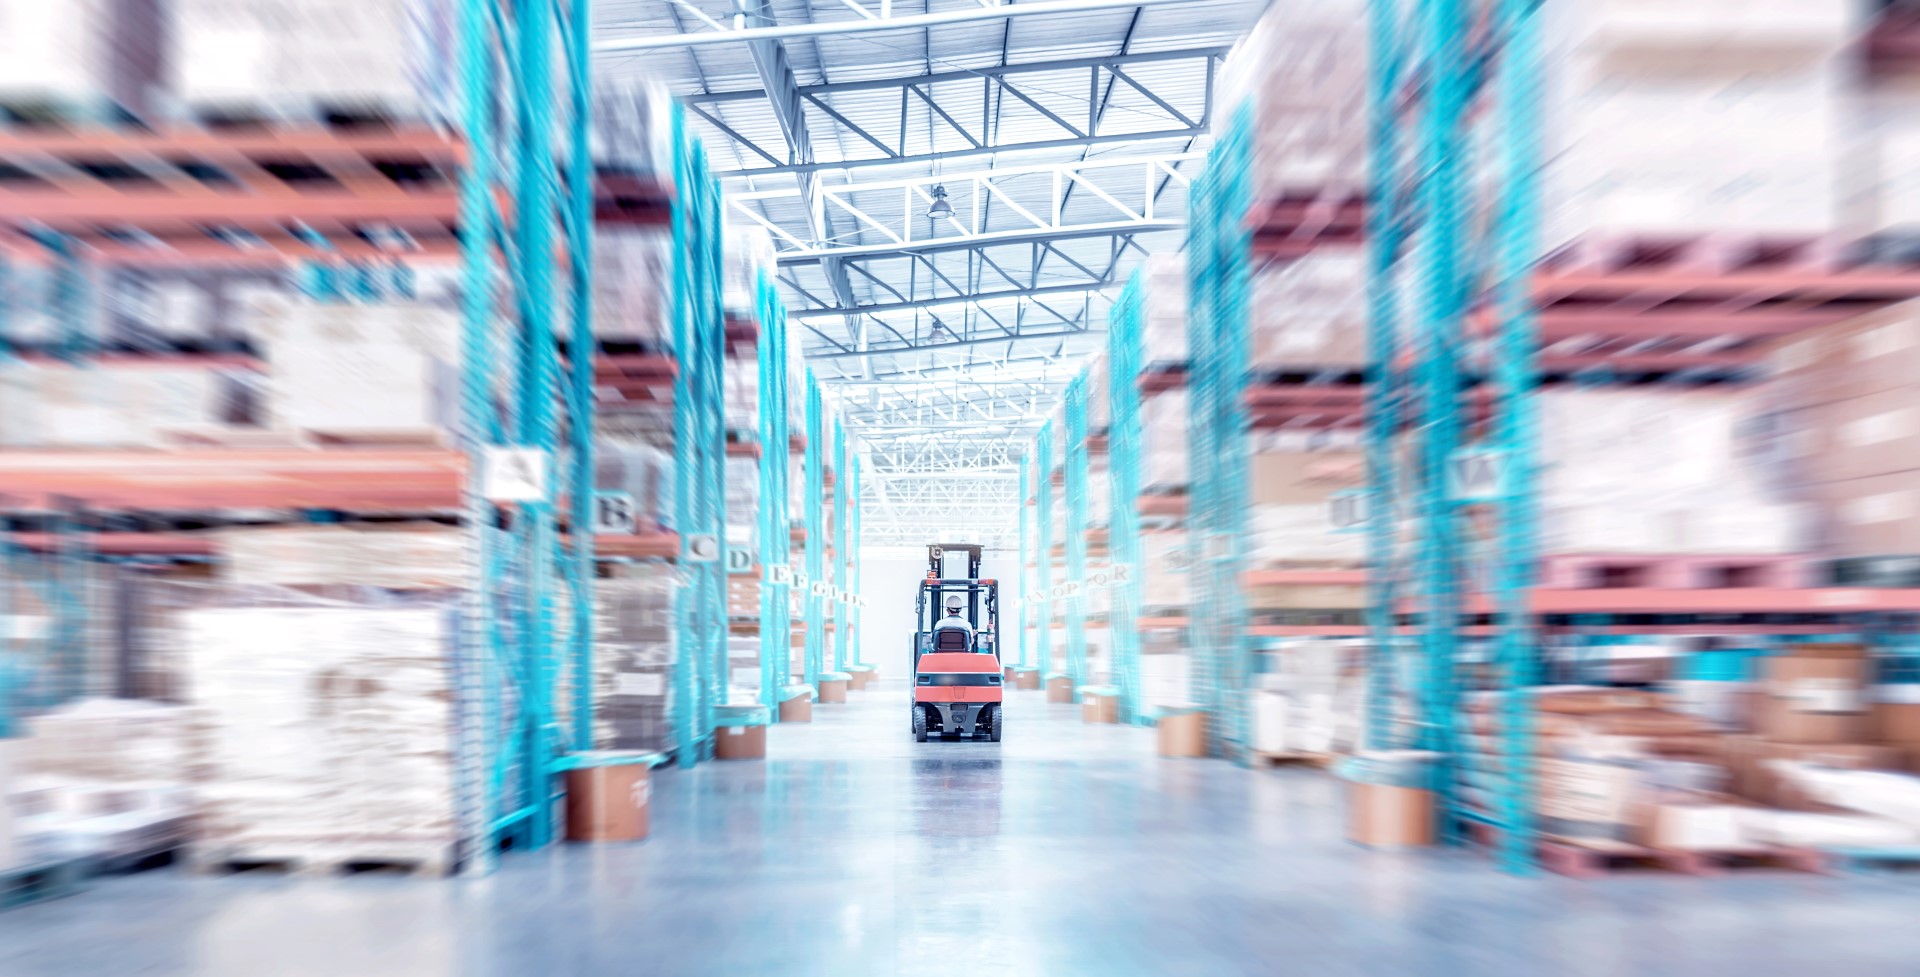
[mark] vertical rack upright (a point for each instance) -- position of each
(511, 743)
(840, 555)
(815, 475)
(1432, 257)
(1075, 485)
(699, 448)
(776, 608)
(1043, 548)
(1125, 443)
(1219, 270)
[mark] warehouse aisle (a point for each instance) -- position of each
(1064, 851)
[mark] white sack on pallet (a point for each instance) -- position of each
(388, 53)
(749, 256)
(1301, 534)
(1301, 75)
(1163, 330)
(360, 369)
(1894, 796)
(410, 556)
(1168, 561)
(1310, 314)
(1626, 471)
(1688, 145)
(323, 723)
(109, 406)
(632, 285)
(1164, 423)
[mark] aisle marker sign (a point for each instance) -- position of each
(613, 513)
(703, 548)
(1477, 475)
(739, 559)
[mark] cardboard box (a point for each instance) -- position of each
(1182, 734)
(1380, 816)
(1313, 597)
(1871, 516)
(1028, 679)
(798, 709)
(1816, 694)
(1060, 689)
(833, 690)
(1896, 722)
(1307, 477)
(1099, 707)
(861, 676)
(1585, 799)
(740, 743)
(1862, 436)
(609, 803)
(1581, 701)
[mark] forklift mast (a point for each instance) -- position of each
(937, 559)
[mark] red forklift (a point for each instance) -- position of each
(956, 650)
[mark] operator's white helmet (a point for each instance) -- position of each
(954, 603)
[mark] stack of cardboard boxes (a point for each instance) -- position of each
(633, 658)
(1847, 431)
(1623, 765)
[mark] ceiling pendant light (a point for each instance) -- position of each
(940, 209)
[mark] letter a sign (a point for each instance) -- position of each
(1477, 475)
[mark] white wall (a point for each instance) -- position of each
(890, 583)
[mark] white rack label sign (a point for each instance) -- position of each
(1477, 475)
(613, 513)
(1349, 510)
(513, 474)
(739, 559)
(703, 548)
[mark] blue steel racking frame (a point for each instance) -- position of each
(816, 505)
(699, 422)
(852, 478)
(512, 745)
(1026, 553)
(1219, 271)
(1421, 194)
(1043, 549)
(1125, 447)
(776, 607)
(840, 555)
(1075, 484)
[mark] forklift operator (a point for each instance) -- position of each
(954, 619)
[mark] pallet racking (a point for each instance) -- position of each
(358, 210)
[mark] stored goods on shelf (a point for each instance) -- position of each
(79, 56)
(328, 727)
(105, 405)
(1164, 423)
(633, 658)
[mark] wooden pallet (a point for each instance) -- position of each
(1854, 860)
(321, 860)
(41, 881)
(1318, 761)
(1586, 858)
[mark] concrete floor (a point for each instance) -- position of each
(1066, 850)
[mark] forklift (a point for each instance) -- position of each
(957, 687)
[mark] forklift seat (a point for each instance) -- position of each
(952, 639)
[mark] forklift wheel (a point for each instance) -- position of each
(993, 726)
(919, 725)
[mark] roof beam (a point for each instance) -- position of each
(946, 300)
(858, 25)
(783, 94)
